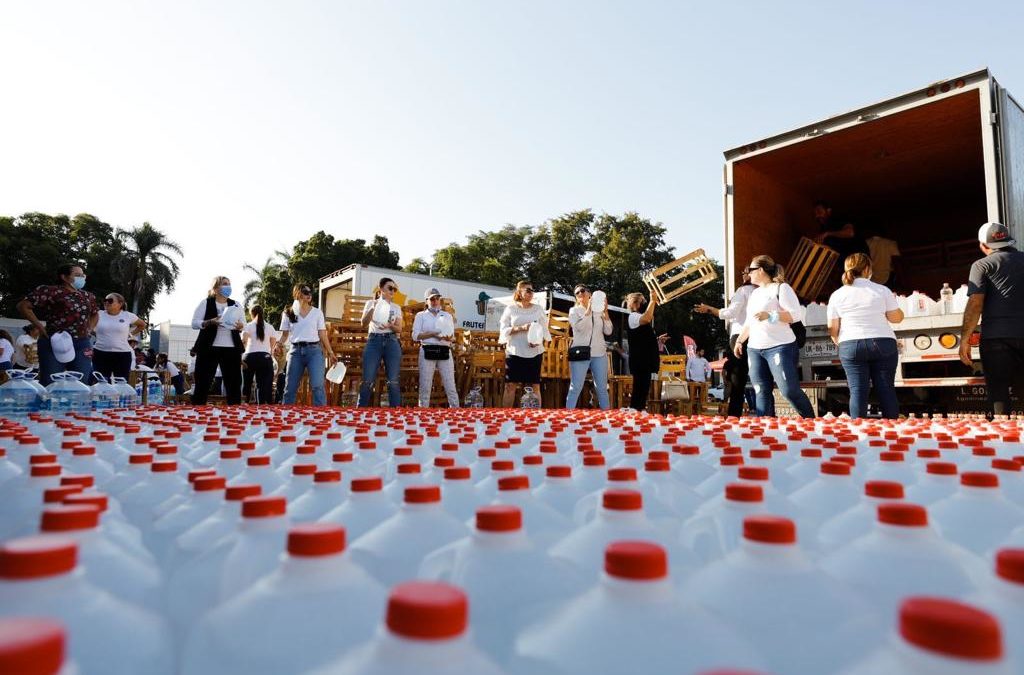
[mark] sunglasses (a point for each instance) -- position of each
(527, 290)
(391, 288)
(751, 269)
(581, 292)
(305, 291)
(109, 301)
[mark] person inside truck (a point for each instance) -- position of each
(859, 316)
(995, 289)
(768, 340)
(837, 232)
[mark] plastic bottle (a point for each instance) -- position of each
(34, 647)
(1002, 593)
(633, 618)
(978, 501)
(37, 578)
(23, 502)
(18, 397)
(960, 299)
(717, 531)
(366, 507)
(545, 525)
(328, 492)
(299, 482)
(831, 493)
(529, 400)
(68, 394)
(207, 497)
(946, 299)
(940, 480)
(559, 489)
(205, 534)
(475, 398)
(424, 634)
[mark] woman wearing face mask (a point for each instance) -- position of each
(260, 340)
(63, 306)
(588, 351)
(434, 329)
(768, 340)
(112, 355)
(219, 344)
(383, 344)
(306, 327)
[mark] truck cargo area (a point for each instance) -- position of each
(915, 176)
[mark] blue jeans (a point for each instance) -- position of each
(306, 357)
(871, 362)
(777, 365)
(381, 346)
(598, 366)
(48, 363)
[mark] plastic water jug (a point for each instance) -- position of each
(771, 592)
(598, 302)
(18, 397)
(128, 397)
(529, 399)
(632, 616)
(828, 495)
(23, 502)
(859, 519)
(497, 556)
(919, 304)
(328, 492)
(535, 334)
(1002, 594)
(903, 556)
(105, 396)
(261, 538)
(545, 525)
(960, 299)
(258, 471)
(207, 497)
(8, 469)
(925, 642)
(425, 633)
(313, 608)
(299, 482)
(31, 645)
(37, 578)
(393, 550)
(559, 490)
(68, 394)
(366, 507)
(940, 480)
(717, 531)
(475, 399)
(978, 501)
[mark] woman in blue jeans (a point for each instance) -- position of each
(382, 343)
(859, 314)
(769, 341)
(588, 350)
(303, 327)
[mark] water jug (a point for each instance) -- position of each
(18, 397)
(529, 399)
(68, 394)
(475, 399)
(366, 507)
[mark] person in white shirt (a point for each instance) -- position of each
(522, 357)
(383, 343)
(588, 332)
(177, 379)
(25, 355)
(697, 368)
(111, 353)
(306, 327)
(434, 329)
(260, 340)
(859, 317)
(768, 340)
(219, 344)
(6, 350)
(735, 370)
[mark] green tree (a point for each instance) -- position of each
(623, 249)
(322, 254)
(496, 258)
(417, 266)
(146, 266)
(556, 251)
(271, 286)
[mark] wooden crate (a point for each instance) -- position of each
(809, 268)
(680, 276)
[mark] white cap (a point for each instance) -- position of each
(63, 346)
(995, 235)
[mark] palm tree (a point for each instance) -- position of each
(147, 266)
(258, 288)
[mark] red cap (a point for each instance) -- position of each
(499, 518)
(422, 494)
(258, 460)
(367, 484)
(56, 495)
(622, 473)
(36, 557)
(30, 646)
(209, 483)
(342, 457)
(424, 610)
(928, 453)
(97, 500)
(43, 470)
(316, 539)
(753, 472)
(941, 468)
(559, 471)
(769, 529)
(950, 628)
(1005, 464)
(264, 507)
(635, 560)
(81, 480)
(502, 465)
(327, 476)
(622, 500)
(231, 454)
(902, 514)
(444, 462)
(686, 450)
(457, 473)
(533, 460)
(83, 451)
(1010, 564)
(730, 460)
(744, 492)
(657, 465)
(835, 468)
(883, 489)
(593, 460)
(408, 468)
(303, 469)
(140, 458)
(982, 479)
(510, 483)
(163, 467)
(66, 518)
(890, 456)
(236, 493)
(199, 473)
(36, 460)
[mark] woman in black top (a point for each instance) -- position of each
(218, 344)
(643, 347)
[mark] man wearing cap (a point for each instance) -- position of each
(434, 329)
(996, 290)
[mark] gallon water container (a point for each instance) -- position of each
(1002, 594)
(719, 530)
(828, 495)
(207, 497)
(977, 516)
(105, 395)
(298, 483)
(328, 492)
(34, 646)
(475, 398)
(859, 519)
(366, 507)
(529, 400)
(18, 397)
(960, 299)
(128, 397)
(68, 394)
(939, 480)
(205, 534)
(559, 490)
(545, 525)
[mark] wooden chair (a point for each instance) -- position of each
(680, 276)
(672, 367)
(809, 268)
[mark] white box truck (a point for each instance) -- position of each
(924, 169)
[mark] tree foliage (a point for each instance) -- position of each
(146, 265)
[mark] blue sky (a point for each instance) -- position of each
(243, 127)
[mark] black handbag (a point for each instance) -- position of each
(579, 353)
(798, 327)
(436, 352)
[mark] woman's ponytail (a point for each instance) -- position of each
(856, 266)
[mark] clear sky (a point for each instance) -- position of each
(242, 127)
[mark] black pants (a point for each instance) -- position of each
(111, 364)
(1003, 361)
(736, 372)
(179, 384)
(230, 361)
(259, 367)
(641, 387)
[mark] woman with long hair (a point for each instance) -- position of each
(219, 344)
(260, 340)
(644, 357)
(6, 350)
(307, 328)
(112, 353)
(859, 317)
(382, 344)
(522, 357)
(768, 339)
(588, 352)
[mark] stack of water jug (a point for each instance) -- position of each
(275, 540)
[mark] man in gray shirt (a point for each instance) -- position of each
(996, 290)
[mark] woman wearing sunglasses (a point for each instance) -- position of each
(522, 357)
(112, 355)
(306, 327)
(382, 344)
(588, 351)
(769, 341)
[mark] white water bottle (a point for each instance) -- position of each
(946, 298)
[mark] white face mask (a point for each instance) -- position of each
(296, 307)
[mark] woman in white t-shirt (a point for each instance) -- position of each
(6, 350)
(260, 340)
(306, 328)
(111, 353)
(589, 329)
(383, 344)
(859, 314)
(25, 355)
(523, 358)
(768, 340)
